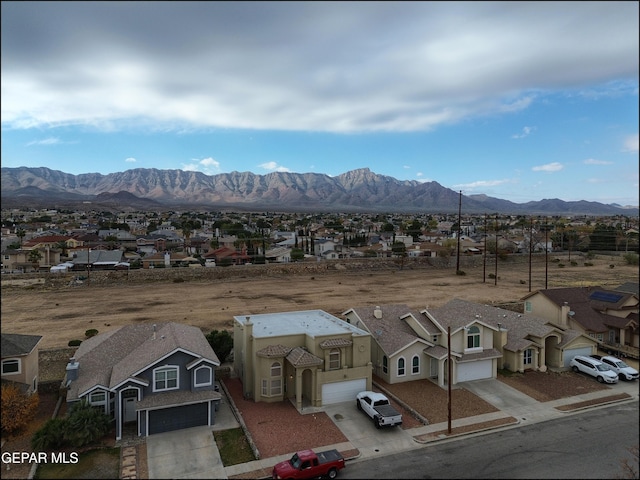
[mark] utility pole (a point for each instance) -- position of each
(495, 279)
(546, 253)
(530, 247)
(449, 379)
(459, 231)
(484, 254)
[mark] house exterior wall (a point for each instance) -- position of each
(28, 370)
(414, 350)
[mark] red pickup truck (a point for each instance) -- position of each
(308, 464)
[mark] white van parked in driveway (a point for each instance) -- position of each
(595, 368)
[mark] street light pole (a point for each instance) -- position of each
(449, 379)
(459, 232)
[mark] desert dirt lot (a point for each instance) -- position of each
(64, 313)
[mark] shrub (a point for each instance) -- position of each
(85, 424)
(523, 282)
(178, 280)
(92, 332)
(561, 265)
(460, 272)
(18, 408)
(588, 264)
(492, 275)
(50, 436)
(74, 343)
(631, 258)
(222, 343)
(573, 263)
(612, 266)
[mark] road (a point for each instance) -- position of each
(586, 445)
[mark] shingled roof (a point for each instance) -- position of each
(15, 345)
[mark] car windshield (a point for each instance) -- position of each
(295, 461)
(602, 367)
(621, 364)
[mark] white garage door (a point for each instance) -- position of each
(339, 392)
(474, 370)
(570, 353)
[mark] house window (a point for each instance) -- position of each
(528, 307)
(385, 364)
(528, 357)
(401, 367)
(271, 387)
(334, 359)
(203, 376)
(165, 378)
(11, 366)
(34, 385)
(600, 337)
(98, 399)
(276, 369)
(415, 365)
(473, 337)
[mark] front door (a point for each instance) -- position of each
(129, 410)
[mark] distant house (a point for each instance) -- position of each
(228, 256)
(20, 360)
(609, 316)
(309, 357)
(156, 378)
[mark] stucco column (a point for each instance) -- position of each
(298, 390)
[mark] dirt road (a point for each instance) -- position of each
(64, 314)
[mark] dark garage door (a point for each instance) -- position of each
(168, 419)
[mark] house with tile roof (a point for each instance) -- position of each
(20, 360)
(153, 378)
(608, 315)
(309, 357)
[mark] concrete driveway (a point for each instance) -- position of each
(189, 453)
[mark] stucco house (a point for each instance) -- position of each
(155, 378)
(609, 316)
(409, 345)
(20, 360)
(310, 357)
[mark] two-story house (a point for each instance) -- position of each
(155, 378)
(20, 360)
(309, 357)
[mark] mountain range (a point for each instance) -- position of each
(358, 190)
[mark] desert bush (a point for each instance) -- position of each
(18, 408)
(573, 263)
(612, 266)
(631, 258)
(588, 264)
(92, 332)
(74, 343)
(561, 265)
(460, 272)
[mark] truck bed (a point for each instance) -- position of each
(386, 410)
(329, 456)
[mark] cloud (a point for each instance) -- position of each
(526, 131)
(480, 184)
(549, 167)
(206, 165)
(631, 144)
(46, 141)
(273, 167)
(130, 160)
(593, 161)
(302, 66)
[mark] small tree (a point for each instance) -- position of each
(34, 257)
(50, 436)
(85, 424)
(18, 408)
(221, 342)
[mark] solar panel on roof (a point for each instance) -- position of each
(606, 296)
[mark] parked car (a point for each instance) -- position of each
(623, 370)
(595, 368)
(308, 464)
(379, 408)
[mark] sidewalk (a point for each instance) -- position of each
(515, 408)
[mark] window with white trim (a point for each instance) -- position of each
(11, 366)
(401, 367)
(334, 359)
(165, 378)
(528, 307)
(473, 337)
(527, 358)
(276, 369)
(202, 376)
(415, 365)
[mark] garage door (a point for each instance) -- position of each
(176, 418)
(475, 370)
(570, 353)
(339, 392)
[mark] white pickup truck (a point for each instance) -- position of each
(378, 407)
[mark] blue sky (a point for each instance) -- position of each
(516, 100)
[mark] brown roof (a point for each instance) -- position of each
(278, 351)
(299, 357)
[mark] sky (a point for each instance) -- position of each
(522, 101)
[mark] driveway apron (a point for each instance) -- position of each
(187, 453)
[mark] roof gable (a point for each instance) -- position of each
(15, 344)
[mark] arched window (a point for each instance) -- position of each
(203, 376)
(401, 370)
(334, 359)
(473, 337)
(276, 369)
(415, 365)
(273, 386)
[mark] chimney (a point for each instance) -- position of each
(564, 315)
(72, 370)
(377, 312)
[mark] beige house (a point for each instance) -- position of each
(20, 360)
(609, 316)
(309, 357)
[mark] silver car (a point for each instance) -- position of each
(595, 368)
